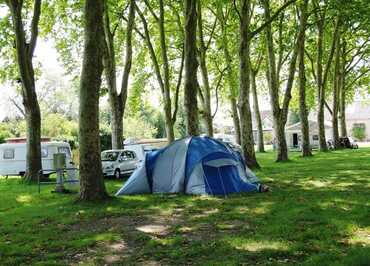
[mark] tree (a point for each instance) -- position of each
(91, 177)
(256, 109)
(303, 113)
(117, 99)
(191, 66)
(162, 68)
(246, 129)
(24, 52)
(280, 114)
(205, 90)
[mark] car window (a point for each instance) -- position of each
(109, 156)
(8, 154)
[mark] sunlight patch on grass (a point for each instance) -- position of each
(361, 236)
(106, 237)
(264, 208)
(258, 245)
(24, 198)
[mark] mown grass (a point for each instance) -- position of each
(318, 213)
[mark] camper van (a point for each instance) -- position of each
(13, 157)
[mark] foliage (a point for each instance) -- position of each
(359, 133)
(315, 215)
(138, 127)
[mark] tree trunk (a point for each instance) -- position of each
(342, 106)
(166, 74)
(281, 145)
(117, 101)
(236, 121)
(246, 128)
(306, 148)
(260, 147)
(320, 88)
(91, 177)
(206, 99)
(24, 53)
(191, 66)
(336, 86)
(280, 115)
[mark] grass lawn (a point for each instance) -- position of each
(318, 213)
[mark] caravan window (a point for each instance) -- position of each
(64, 150)
(8, 154)
(44, 152)
(315, 137)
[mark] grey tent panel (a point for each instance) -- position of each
(169, 171)
(137, 183)
(196, 183)
(221, 162)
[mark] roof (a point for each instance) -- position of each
(312, 125)
(12, 144)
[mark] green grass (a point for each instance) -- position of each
(318, 213)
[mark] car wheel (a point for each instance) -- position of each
(117, 174)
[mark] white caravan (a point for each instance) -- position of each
(13, 157)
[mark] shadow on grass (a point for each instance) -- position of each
(317, 214)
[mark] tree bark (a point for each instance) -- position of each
(261, 146)
(91, 177)
(166, 74)
(191, 66)
(336, 86)
(342, 106)
(246, 128)
(24, 54)
(206, 99)
(321, 88)
(306, 148)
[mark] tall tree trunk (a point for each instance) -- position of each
(321, 88)
(260, 147)
(91, 177)
(164, 82)
(303, 114)
(336, 86)
(280, 115)
(206, 99)
(117, 100)
(342, 106)
(109, 62)
(24, 53)
(191, 66)
(166, 74)
(322, 75)
(246, 128)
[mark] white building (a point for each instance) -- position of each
(293, 134)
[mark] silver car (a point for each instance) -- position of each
(119, 162)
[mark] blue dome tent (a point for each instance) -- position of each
(192, 165)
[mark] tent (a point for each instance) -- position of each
(192, 165)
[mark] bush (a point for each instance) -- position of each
(359, 133)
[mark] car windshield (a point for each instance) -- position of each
(109, 156)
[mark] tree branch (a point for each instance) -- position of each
(34, 27)
(272, 18)
(151, 10)
(178, 85)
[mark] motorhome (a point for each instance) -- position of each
(13, 157)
